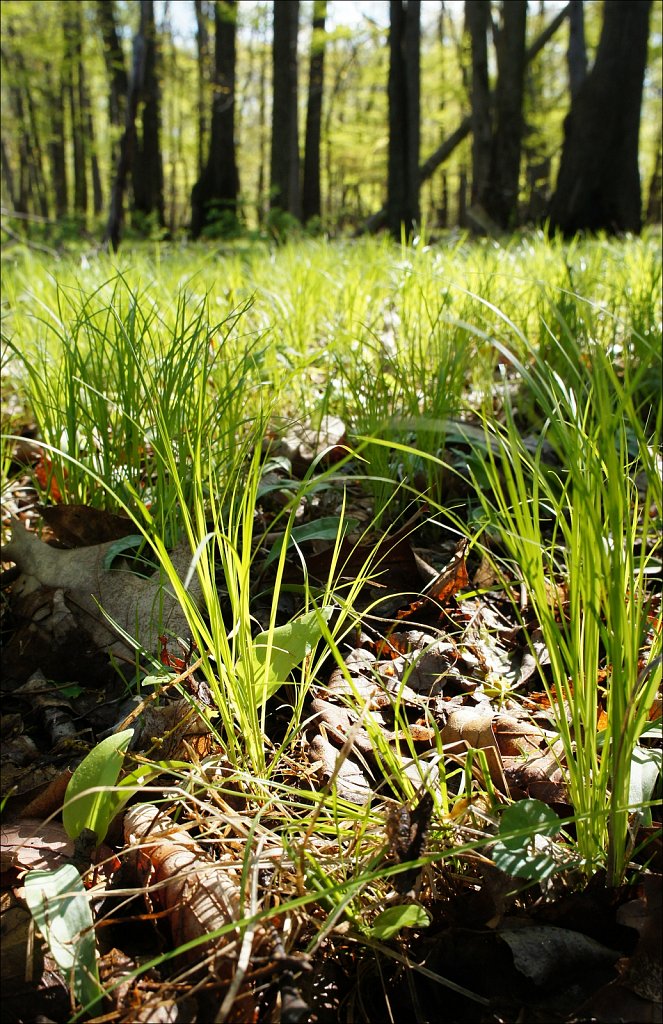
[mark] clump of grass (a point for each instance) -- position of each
(579, 539)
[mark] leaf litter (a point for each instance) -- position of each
(432, 722)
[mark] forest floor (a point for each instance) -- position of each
(388, 746)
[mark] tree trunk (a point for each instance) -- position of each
(654, 197)
(477, 20)
(147, 171)
(202, 43)
(576, 55)
(87, 123)
(598, 187)
(32, 181)
(447, 147)
(284, 170)
(500, 199)
(214, 196)
(73, 65)
(311, 180)
(262, 203)
(113, 231)
(115, 65)
(8, 176)
(403, 89)
(56, 144)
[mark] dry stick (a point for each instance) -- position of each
(377, 220)
(157, 693)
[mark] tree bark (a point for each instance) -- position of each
(113, 232)
(147, 171)
(73, 65)
(655, 189)
(447, 147)
(500, 198)
(8, 175)
(263, 132)
(56, 144)
(115, 65)
(87, 126)
(202, 43)
(477, 20)
(403, 88)
(576, 55)
(214, 196)
(311, 206)
(598, 187)
(285, 192)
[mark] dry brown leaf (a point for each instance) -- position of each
(143, 607)
(30, 845)
(302, 443)
(199, 894)
(81, 525)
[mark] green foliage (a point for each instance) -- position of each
(274, 654)
(515, 851)
(61, 911)
(90, 802)
(394, 919)
(159, 374)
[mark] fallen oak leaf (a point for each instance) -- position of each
(141, 607)
(82, 525)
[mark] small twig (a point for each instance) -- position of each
(31, 245)
(157, 693)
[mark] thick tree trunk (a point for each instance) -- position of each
(311, 180)
(576, 55)
(500, 198)
(147, 171)
(450, 144)
(598, 187)
(285, 192)
(477, 20)
(214, 196)
(403, 89)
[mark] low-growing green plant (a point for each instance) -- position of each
(578, 537)
(153, 380)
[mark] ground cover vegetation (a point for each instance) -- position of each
(332, 621)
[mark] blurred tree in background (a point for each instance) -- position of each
(214, 140)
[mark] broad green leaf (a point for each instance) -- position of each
(533, 815)
(101, 768)
(61, 911)
(131, 784)
(290, 644)
(325, 528)
(393, 919)
(515, 854)
(134, 540)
